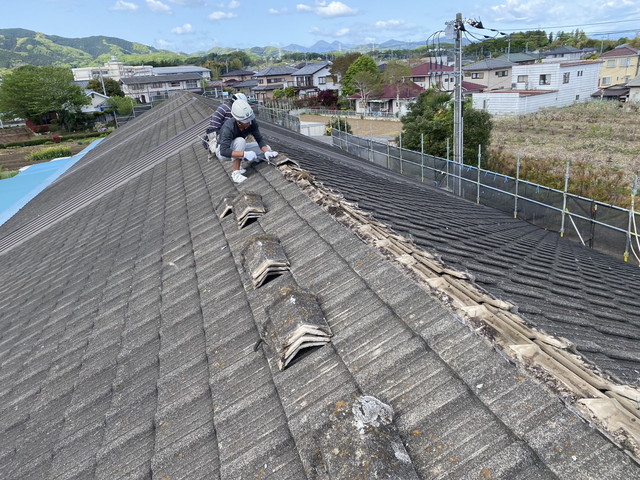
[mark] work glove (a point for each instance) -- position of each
(270, 155)
(250, 156)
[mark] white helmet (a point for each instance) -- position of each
(242, 111)
(239, 96)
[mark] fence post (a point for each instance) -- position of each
(388, 156)
(422, 157)
(564, 199)
(515, 203)
(447, 163)
(400, 152)
(479, 167)
(634, 192)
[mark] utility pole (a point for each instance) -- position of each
(458, 140)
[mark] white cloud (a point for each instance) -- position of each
(183, 30)
(121, 5)
(335, 9)
(188, 3)
(391, 24)
(233, 4)
(301, 7)
(157, 6)
(221, 15)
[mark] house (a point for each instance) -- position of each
(204, 73)
(620, 66)
(541, 85)
(391, 101)
(616, 93)
(565, 53)
(634, 91)
(112, 69)
(98, 102)
(312, 78)
(493, 73)
(270, 79)
(146, 89)
(433, 75)
(135, 343)
(235, 76)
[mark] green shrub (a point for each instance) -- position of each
(339, 123)
(49, 154)
(8, 174)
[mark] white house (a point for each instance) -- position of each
(541, 85)
(98, 102)
(113, 69)
(312, 78)
(634, 90)
(154, 87)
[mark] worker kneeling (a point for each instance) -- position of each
(232, 143)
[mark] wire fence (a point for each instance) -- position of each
(597, 225)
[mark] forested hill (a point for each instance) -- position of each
(26, 47)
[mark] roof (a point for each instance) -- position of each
(621, 51)
(565, 49)
(238, 73)
(472, 87)
(133, 342)
(427, 69)
(488, 64)
(311, 68)
(179, 69)
(518, 57)
(278, 70)
(178, 77)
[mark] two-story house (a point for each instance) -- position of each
(312, 78)
(391, 100)
(493, 73)
(541, 85)
(565, 54)
(620, 65)
(146, 89)
(433, 75)
(112, 69)
(270, 79)
(236, 76)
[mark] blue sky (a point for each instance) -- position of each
(197, 25)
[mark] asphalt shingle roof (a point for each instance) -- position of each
(129, 336)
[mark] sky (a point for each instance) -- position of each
(191, 26)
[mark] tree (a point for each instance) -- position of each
(396, 74)
(341, 64)
(111, 86)
(367, 84)
(122, 105)
(431, 117)
(30, 92)
(361, 64)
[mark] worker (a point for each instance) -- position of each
(232, 143)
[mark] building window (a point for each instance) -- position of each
(606, 80)
(580, 72)
(624, 62)
(577, 97)
(565, 77)
(156, 85)
(611, 63)
(477, 75)
(523, 78)
(502, 73)
(322, 80)
(545, 79)
(175, 84)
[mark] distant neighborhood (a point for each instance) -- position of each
(511, 84)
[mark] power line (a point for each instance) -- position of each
(578, 25)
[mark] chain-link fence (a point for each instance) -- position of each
(595, 224)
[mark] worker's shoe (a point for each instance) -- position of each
(237, 177)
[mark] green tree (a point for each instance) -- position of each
(431, 117)
(341, 64)
(363, 63)
(289, 92)
(122, 105)
(367, 84)
(30, 92)
(111, 86)
(396, 74)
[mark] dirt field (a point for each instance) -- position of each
(363, 128)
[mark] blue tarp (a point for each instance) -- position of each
(16, 192)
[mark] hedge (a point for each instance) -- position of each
(48, 154)
(44, 140)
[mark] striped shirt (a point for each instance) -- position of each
(222, 113)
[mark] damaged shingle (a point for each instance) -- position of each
(263, 256)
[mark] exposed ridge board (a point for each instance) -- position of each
(611, 407)
(106, 185)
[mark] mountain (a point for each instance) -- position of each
(19, 46)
